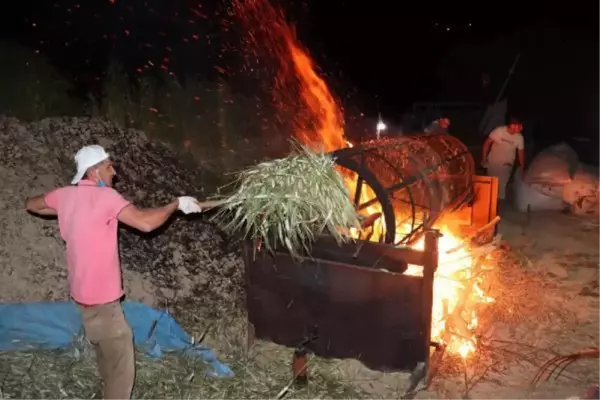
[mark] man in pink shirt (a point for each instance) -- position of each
(88, 216)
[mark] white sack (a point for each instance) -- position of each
(552, 169)
(533, 197)
(581, 193)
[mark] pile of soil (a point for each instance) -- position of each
(185, 259)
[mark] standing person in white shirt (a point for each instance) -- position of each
(499, 151)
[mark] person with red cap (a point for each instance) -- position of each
(89, 212)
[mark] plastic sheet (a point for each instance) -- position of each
(57, 325)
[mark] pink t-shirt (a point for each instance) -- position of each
(87, 220)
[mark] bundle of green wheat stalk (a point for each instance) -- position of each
(289, 202)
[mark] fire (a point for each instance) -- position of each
(299, 93)
(318, 122)
(456, 292)
(456, 295)
(320, 102)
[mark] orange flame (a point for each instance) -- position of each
(318, 122)
(300, 94)
(328, 117)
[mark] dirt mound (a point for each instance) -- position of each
(185, 258)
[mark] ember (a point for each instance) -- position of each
(318, 122)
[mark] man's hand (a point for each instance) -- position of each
(484, 163)
(188, 204)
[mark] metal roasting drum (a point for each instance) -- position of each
(411, 181)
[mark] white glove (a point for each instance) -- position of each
(188, 204)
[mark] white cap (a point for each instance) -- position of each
(86, 157)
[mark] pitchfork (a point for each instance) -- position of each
(560, 363)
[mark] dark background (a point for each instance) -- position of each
(378, 56)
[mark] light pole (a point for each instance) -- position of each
(381, 126)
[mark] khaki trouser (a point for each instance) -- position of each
(502, 172)
(106, 328)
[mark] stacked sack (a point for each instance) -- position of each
(556, 180)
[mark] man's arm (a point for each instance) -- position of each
(148, 219)
(486, 148)
(37, 205)
(521, 154)
(489, 141)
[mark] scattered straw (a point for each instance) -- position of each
(513, 331)
(522, 290)
(263, 373)
(290, 201)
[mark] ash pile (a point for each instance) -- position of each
(185, 259)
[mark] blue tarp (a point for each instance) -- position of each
(57, 325)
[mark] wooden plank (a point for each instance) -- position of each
(485, 205)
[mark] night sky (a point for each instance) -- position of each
(377, 56)
(376, 51)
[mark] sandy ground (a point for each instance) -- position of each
(566, 249)
(563, 250)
